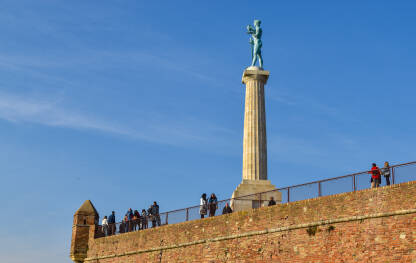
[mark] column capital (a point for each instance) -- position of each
(255, 73)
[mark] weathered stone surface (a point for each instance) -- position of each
(244, 197)
(374, 225)
(255, 142)
(254, 145)
(83, 230)
(87, 208)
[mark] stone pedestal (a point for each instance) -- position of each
(254, 145)
(253, 194)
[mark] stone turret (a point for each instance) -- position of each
(83, 228)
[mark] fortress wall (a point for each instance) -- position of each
(374, 225)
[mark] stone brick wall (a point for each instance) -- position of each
(374, 225)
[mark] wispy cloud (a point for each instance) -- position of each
(102, 60)
(295, 100)
(19, 109)
(153, 127)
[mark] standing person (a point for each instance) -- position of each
(112, 223)
(203, 205)
(151, 216)
(123, 225)
(227, 209)
(143, 219)
(212, 204)
(104, 225)
(375, 176)
(272, 202)
(385, 171)
(129, 216)
(136, 220)
(155, 213)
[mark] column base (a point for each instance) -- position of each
(242, 202)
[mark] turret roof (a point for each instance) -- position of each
(87, 208)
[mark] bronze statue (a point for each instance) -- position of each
(255, 41)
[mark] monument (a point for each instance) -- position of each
(255, 141)
(367, 224)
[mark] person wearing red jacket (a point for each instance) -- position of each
(375, 176)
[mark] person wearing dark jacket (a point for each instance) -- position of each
(155, 212)
(136, 220)
(227, 209)
(151, 216)
(143, 219)
(212, 204)
(122, 228)
(112, 223)
(272, 202)
(129, 225)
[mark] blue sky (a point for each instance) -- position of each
(126, 102)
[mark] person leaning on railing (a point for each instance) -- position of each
(385, 171)
(150, 216)
(375, 176)
(143, 219)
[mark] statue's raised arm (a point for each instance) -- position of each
(255, 41)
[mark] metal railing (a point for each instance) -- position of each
(399, 173)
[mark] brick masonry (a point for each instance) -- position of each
(374, 225)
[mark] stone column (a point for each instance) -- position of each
(255, 180)
(255, 143)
